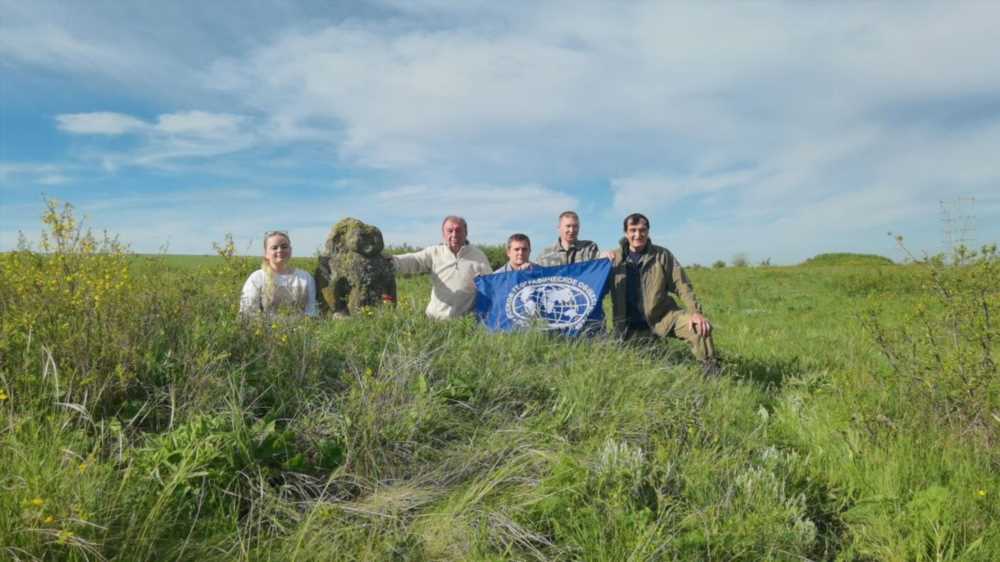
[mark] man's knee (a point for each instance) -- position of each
(702, 345)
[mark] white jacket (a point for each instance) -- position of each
(453, 292)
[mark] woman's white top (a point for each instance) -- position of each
(272, 293)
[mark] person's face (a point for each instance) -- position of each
(518, 253)
(637, 235)
(277, 251)
(454, 235)
(569, 229)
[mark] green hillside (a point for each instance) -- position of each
(140, 419)
(848, 259)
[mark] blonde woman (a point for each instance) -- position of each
(277, 287)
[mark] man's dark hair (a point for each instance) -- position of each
(635, 218)
(571, 214)
(518, 237)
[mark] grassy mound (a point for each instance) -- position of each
(848, 259)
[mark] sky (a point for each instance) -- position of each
(771, 130)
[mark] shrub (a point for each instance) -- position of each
(67, 311)
(944, 355)
(718, 264)
(109, 329)
(497, 254)
(740, 260)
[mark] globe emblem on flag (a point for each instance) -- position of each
(557, 302)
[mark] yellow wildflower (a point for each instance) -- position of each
(49, 520)
(981, 493)
(38, 502)
(3, 395)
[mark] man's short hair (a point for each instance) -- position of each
(518, 237)
(455, 219)
(571, 214)
(635, 218)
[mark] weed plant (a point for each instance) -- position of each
(142, 419)
(945, 351)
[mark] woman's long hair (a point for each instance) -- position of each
(272, 295)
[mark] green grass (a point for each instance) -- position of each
(151, 424)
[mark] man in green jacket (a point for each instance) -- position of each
(643, 278)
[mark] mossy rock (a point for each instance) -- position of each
(352, 273)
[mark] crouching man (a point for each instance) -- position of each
(643, 278)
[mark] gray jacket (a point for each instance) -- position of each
(581, 250)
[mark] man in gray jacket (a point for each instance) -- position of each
(569, 248)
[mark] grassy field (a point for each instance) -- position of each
(858, 419)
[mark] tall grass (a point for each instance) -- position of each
(141, 419)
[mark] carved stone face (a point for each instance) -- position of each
(352, 235)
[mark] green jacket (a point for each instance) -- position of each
(660, 275)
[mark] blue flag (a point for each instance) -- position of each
(566, 298)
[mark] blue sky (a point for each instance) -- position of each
(776, 130)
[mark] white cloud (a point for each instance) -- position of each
(200, 124)
(174, 136)
(601, 90)
(44, 44)
(21, 173)
(771, 123)
(9, 169)
(660, 192)
(99, 123)
(54, 179)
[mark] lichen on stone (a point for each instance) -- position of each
(352, 273)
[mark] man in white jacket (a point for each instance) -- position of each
(453, 266)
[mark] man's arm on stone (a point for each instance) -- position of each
(415, 262)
